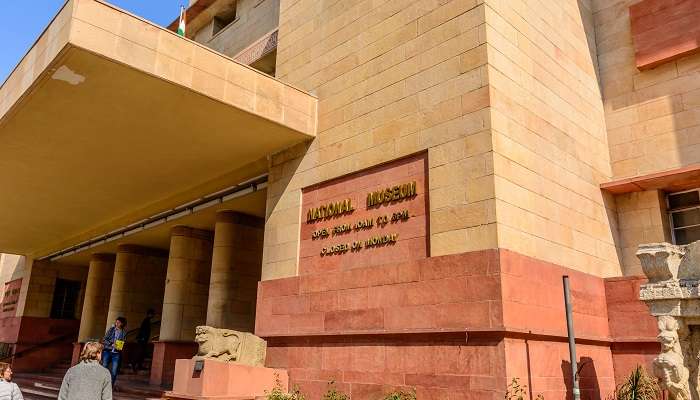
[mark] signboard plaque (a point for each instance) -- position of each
(372, 217)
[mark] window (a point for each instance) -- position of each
(65, 299)
(684, 213)
(223, 19)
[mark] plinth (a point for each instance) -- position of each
(211, 379)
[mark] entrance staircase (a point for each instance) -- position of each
(45, 385)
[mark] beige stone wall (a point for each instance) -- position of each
(38, 287)
(12, 267)
(254, 18)
(548, 129)
(653, 117)
(642, 219)
(393, 78)
(502, 94)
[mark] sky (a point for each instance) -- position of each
(23, 22)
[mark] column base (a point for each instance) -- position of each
(223, 381)
(164, 356)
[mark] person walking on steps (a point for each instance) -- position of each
(87, 380)
(8, 389)
(142, 339)
(113, 345)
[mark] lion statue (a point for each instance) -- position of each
(230, 346)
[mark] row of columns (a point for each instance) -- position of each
(205, 278)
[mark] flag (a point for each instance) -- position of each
(181, 25)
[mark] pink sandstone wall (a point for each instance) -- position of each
(664, 30)
(372, 329)
(632, 328)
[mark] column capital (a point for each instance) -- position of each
(141, 250)
(238, 218)
(182, 230)
(103, 257)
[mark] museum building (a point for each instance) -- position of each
(387, 191)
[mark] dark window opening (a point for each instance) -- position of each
(65, 299)
(684, 213)
(224, 18)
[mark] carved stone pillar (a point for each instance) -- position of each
(673, 298)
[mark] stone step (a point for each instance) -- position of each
(47, 387)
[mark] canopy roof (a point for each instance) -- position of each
(109, 118)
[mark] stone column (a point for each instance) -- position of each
(186, 284)
(235, 271)
(185, 300)
(97, 292)
(139, 282)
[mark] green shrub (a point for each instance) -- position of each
(334, 394)
(516, 391)
(638, 386)
(401, 395)
(278, 394)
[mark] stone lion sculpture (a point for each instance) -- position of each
(669, 365)
(230, 346)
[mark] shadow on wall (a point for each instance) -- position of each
(588, 21)
(588, 379)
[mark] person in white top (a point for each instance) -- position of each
(8, 389)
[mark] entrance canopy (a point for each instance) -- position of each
(109, 118)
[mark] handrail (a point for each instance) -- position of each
(154, 323)
(38, 346)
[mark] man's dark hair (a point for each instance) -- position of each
(151, 312)
(122, 320)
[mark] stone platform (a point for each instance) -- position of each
(223, 381)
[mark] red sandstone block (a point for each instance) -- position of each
(323, 301)
(617, 291)
(311, 389)
(277, 357)
(304, 357)
(318, 283)
(369, 391)
(372, 276)
(447, 359)
(368, 358)
(376, 378)
(290, 305)
(354, 320)
(471, 315)
(483, 288)
(450, 290)
(385, 296)
(279, 287)
(442, 267)
(431, 393)
(455, 382)
(487, 383)
(336, 357)
(266, 325)
(496, 314)
(310, 322)
(352, 299)
(416, 359)
(410, 317)
(409, 272)
(475, 360)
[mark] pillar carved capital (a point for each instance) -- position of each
(660, 261)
